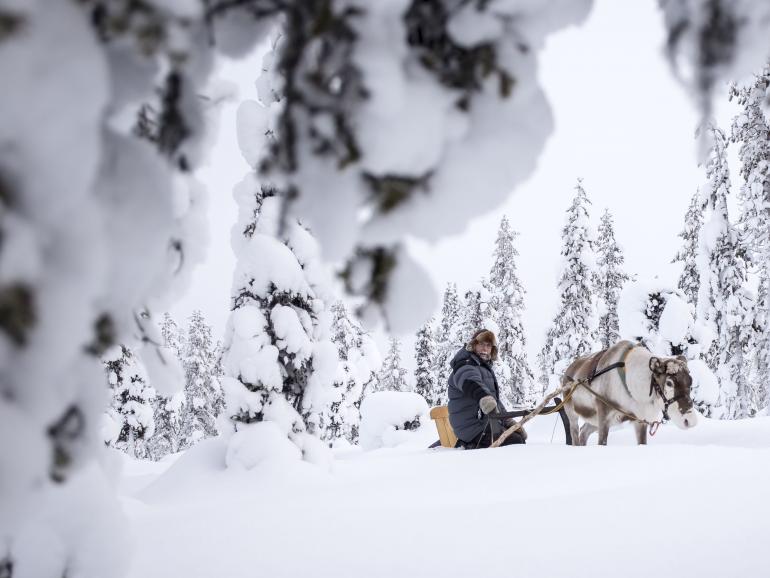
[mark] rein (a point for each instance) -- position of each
(621, 367)
(569, 389)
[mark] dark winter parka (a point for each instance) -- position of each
(470, 380)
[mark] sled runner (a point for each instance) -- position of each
(448, 439)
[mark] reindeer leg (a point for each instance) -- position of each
(585, 432)
(574, 427)
(641, 433)
(604, 423)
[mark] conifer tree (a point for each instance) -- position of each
(724, 303)
(506, 299)
(759, 359)
(218, 374)
(574, 327)
(545, 360)
(279, 365)
(473, 313)
(447, 335)
(202, 390)
(168, 425)
(751, 128)
(172, 336)
(610, 278)
(689, 280)
(392, 376)
(359, 360)
(424, 375)
(130, 416)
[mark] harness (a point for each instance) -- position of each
(656, 388)
(621, 367)
(569, 389)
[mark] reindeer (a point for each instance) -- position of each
(642, 386)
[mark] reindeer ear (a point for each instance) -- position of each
(681, 358)
(655, 365)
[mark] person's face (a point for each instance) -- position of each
(483, 350)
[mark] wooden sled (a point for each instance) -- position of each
(448, 439)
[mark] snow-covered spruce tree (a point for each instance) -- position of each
(725, 306)
(689, 279)
(424, 375)
(574, 327)
(610, 278)
(167, 407)
(506, 300)
(203, 394)
(759, 359)
(392, 375)
(359, 361)
(659, 317)
(172, 336)
(545, 361)
(219, 369)
(475, 313)
(751, 128)
(447, 338)
(130, 421)
(167, 412)
(279, 366)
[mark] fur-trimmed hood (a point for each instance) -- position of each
(483, 336)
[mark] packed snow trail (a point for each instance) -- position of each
(689, 504)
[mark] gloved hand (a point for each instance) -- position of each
(488, 404)
(510, 422)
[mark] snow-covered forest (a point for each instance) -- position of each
(142, 437)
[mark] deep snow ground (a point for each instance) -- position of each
(693, 503)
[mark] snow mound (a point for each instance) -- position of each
(257, 443)
(393, 418)
(197, 463)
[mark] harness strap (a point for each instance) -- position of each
(666, 401)
(590, 378)
(619, 365)
(622, 370)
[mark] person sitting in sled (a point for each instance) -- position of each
(474, 394)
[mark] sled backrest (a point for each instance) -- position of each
(446, 434)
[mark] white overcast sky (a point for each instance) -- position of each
(623, 124)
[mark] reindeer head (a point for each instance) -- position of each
(673, 381)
